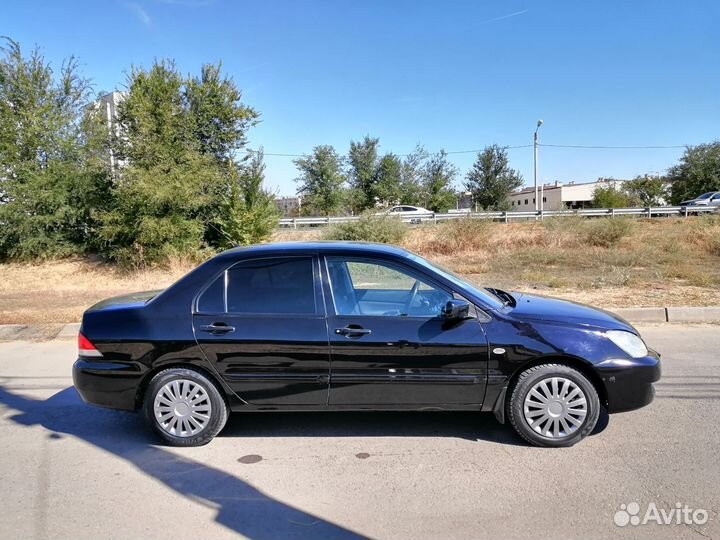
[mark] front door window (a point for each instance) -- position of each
(378, 289)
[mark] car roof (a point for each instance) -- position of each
(317, 246)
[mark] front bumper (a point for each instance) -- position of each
(107, 384)
(629, 382)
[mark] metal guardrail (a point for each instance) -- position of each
(506, 217)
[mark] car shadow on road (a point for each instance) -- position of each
(240, 507)
(470, 425)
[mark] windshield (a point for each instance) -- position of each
(486, 297)
(706, 195)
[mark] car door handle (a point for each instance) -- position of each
(217, 328)
(349, 331)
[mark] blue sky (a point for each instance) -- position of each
(445, 74)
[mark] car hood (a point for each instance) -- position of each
(125, 300)
(542, 308)
(694, 201)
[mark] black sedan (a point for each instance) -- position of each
(353, 326)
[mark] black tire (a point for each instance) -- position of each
(526, 382)
(218, 408)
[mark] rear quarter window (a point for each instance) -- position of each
(212, 300)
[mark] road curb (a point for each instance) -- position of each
(38, 332)
(8, 332)
(19, 332)
(642, 314)
(669, 314)
(693, 314)
(69, 331)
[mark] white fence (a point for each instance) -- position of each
(506, 217)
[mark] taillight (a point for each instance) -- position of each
(86, 348)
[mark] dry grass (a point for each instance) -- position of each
(60, 291)
(626, 263)
(649, 262)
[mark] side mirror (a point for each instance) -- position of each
(455, 310)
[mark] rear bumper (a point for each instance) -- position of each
(107, 384)
(629, 382)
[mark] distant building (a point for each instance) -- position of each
(556, 196)
(109, 102)
(464, 201)
(108, 105)
(289, 206)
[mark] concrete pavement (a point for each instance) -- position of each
(73, 471)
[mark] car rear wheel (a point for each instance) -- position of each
(553, 405)
(185, 407)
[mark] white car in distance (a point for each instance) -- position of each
(413, 214)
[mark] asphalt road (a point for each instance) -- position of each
(69, 470)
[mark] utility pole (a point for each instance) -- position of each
(535, 162)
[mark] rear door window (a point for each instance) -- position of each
(270, 286)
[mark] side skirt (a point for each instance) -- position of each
(330, 408)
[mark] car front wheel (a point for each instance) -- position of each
(184, 407)
(553, 405)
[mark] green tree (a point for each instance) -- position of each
(91, 192)
(697, 172)
(610, 197)
(388, 188)
(160, 196)
(155, 213)
(247, 213)
(182, 191)
(47, 186)
(321, 180)
(363, 164)
(411, 176)
(648, 190)
(155, 126)
(219, 121)
(491, 179)
(438, 174)
(351, 201)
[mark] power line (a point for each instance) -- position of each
(272, 154)
(250, 151)
(476, 151)
(615, 147)
(509, 147)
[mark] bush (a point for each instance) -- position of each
(610, 197)
(712, 246)
(458, 235)
(369, 228)
(613, 276)
(606, 232)
(704, 232)
(564, 231)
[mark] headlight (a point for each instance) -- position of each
(630, 343)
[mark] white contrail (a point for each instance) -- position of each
(140, 13)
(514, 14)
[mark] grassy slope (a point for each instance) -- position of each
(644, 263)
